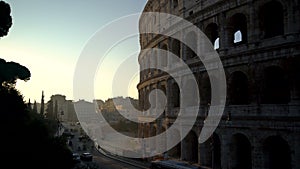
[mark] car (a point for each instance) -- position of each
(86, 156)
(76, 157)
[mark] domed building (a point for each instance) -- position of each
(258, 42)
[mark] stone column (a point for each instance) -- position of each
(205, 154)
(169, 95)
(294, 142)
(225, 152)
(224, 39)
(257, 155)
(253, 24)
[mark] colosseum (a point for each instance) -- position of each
(258, 42)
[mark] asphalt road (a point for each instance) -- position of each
(103, 161)
(108, 163)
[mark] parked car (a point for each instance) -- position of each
(76, 157)
(86, 156)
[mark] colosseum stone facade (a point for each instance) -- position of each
(259, 45)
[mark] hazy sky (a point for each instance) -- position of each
(48, 36)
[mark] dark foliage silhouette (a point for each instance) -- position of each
(11, 71)
(5, 18)
(27, 135)
(27, 139)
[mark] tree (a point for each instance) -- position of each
(25, 133)
(5, 18)
(42, 104)
(10, 72)
(35, 107)
(29, 105)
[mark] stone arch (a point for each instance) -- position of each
(153, 58)
(175, 3)
(176, 47)
(241, 154)
(153, 132)
(163, 57)
(238, 88)
(271, 16)
(189, 94)
(175, 152)
(212, 32)
(147, 132)
(175, 95)
(293, 70)
(162, 141)
(162, 87)
(146, 99)
(205, 90)
(153, 100)
(216, 151)
(192, 38)
(210, 152)
(238, 28)
(191, 147)
(276, 89)
(277, 153)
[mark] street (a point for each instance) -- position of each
(108, 163)
(80, 146)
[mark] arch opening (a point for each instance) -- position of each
(210, 152)
(175, 95)
(212, 32)
(175, 3)
(272, 19)
(216, 152)
(241, 152)
(164, 57)
(276, 153)
(238, 89)
(191, 147)
(176, 48)
(175, 152)
(276, 88)
(238, 28)
(205, 91)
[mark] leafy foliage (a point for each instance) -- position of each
(11, 71)
(5, 18)
(28, 135)
(27, 138)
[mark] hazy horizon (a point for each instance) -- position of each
(48, 36)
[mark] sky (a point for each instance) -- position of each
(48, 37)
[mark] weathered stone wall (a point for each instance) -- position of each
(258, 43)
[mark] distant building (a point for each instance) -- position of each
(61, 109)
(114, 108)
(99, 103)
